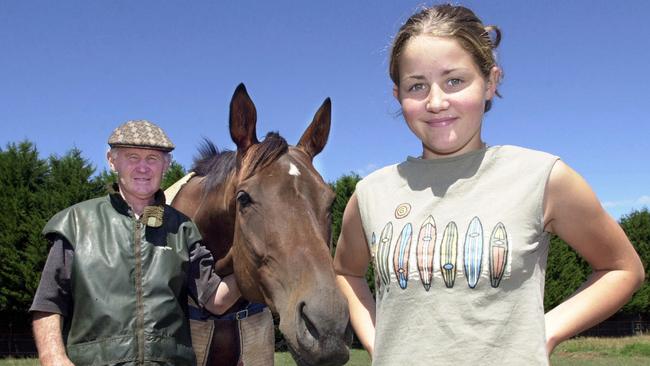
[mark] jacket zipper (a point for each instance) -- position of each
(138, 292)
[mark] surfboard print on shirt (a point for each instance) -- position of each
(425, 250)
(401, 255)
(383, 253)
(448, 253)
(473, 252)
(499, 248)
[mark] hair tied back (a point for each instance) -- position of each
(494, 33)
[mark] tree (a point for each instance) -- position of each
(33, 190)
(173, 174)
(105, 179)
(70, 180)
(343, 188)
(23, 203)
(565, 272)
(637, 227)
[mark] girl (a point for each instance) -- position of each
(459, 236)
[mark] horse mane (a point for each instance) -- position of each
(213, 164)
(216, 165)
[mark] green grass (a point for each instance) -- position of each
(357, 358)
(628, 351)
(19, 362)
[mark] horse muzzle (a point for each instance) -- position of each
(322, 336)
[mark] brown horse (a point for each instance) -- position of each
(264, 213)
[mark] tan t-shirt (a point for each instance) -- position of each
(460, 254)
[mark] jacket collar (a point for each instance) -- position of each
(121, 206)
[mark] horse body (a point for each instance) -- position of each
(263, 212)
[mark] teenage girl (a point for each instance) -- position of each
(459, 235)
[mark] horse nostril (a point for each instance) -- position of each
(311, 328)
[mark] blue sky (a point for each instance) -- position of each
(576, 81)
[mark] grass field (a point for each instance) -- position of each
(629, 351)
(357, 358)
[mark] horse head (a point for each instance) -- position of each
(280, 250)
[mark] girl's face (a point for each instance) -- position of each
(443, 95)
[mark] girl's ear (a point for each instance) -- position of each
(492, 82)
(396, 92)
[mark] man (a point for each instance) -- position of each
(115, 285)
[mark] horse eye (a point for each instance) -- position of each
(244, 198)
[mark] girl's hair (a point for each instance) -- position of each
(457, 22)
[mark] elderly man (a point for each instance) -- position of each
(115, 285)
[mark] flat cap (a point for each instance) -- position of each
(140, 134)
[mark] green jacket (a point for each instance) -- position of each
(129, 283)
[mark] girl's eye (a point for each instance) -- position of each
(417, 87)
(454, 82)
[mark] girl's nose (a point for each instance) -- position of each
(437, 100)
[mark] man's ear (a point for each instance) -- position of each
(168, 162)
(109, 157)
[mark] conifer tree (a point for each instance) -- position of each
(637, 227)
(23, 203)
(565, 272)
(34, 190)
(173, 174)
(343, 188)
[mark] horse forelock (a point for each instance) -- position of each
(217, 165)
(261, 155)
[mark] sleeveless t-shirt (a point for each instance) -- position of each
(459, 252)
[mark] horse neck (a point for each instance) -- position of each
(216, 221)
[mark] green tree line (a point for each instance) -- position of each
(32, 189)
(35, 188)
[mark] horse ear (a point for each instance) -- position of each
(313, 140)
(243, 118)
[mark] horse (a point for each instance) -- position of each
(264, 213)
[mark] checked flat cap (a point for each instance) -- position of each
(141, 134)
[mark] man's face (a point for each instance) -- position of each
(139, 172)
